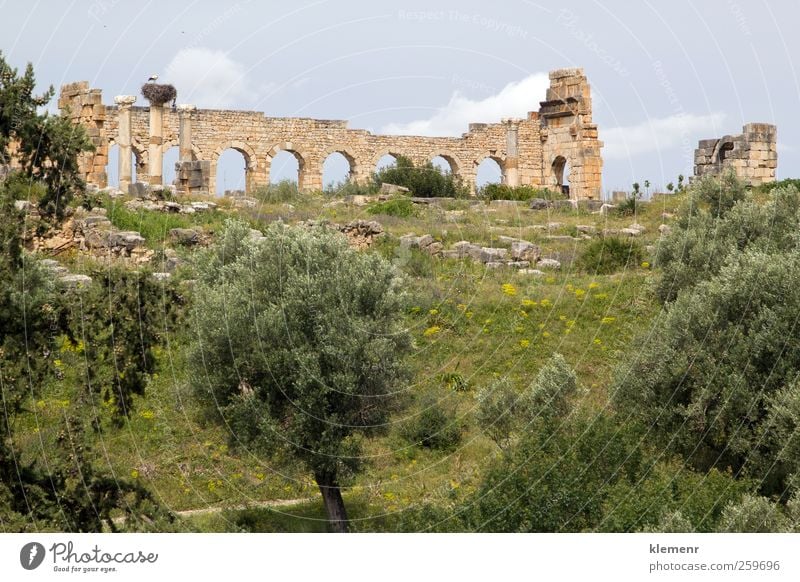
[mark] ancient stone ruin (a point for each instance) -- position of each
(753, 154)
(557, 141)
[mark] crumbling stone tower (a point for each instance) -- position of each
(569, 138)
(753, 154)
(85, 106)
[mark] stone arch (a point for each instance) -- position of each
(559, 166)
(455, 163)
(302, 158)
(355, 167)
(499, 159)
(386, 152)
(250, 163)
(724, 146)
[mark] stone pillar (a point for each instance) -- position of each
(185, 132)
(155, 156)
(124, 103)
(511, 173)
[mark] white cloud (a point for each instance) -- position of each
(660, 134)
(208, 78)
(514, 100)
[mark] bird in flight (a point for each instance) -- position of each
(152, 79)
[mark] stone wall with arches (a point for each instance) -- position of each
(524, 149)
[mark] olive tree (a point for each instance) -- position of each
(715, 377)
(299, 348)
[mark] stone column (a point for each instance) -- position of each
(511, 173)
(185, 132)
(124, 103)
(155, 156)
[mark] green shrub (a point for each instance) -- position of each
(350, 188)
(606, 255)
(713, 370)
(400, 207)
(521, 193)
(436, 426)
(770, 186)
(426, 181)
(283, 191)
(627, 207)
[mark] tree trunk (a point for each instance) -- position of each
(334, 504)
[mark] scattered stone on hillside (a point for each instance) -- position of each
(435, 248)
(161, 276)
(610, 232)
(465, 248)
(24, 206)
(525, 251)
(519, 264)
(358, 200)
(256, 235)
(450, 254)
(667, 215)
(539, 204)
(503, 203)
(606, 208)
(586, 228)
(534, 272)
(549, 264)
(554, 225)
(361, 233)
(490, 254)
(139, 189)
(664, 229)
(565, 204)
(54, 267)
(387, 188)
(637, 226)
(244, 202)
(630, 232)
(75, 281)
(171, 260)
(184, 236)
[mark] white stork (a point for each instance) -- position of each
(152, 79)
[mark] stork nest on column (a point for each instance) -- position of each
(158, 94)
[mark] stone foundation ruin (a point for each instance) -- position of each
(539, 151)
(753, 154)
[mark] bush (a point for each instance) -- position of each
(400, 207)
(350, 188)
(283, 191)
(436, 426)
(627, 207)
(426, 181)
(606, 255)
(521, 193)
(710, 376)
(703, 242)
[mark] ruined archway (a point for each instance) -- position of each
(279, 152)
(724, 148)
(447, 162)
(227, 177)
(560, 175)
(489, 169)
(169, 158)
(338, 168)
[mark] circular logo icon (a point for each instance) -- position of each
(31, 555)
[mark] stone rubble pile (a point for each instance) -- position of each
(521, 255)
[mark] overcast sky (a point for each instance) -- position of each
(663, 74)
